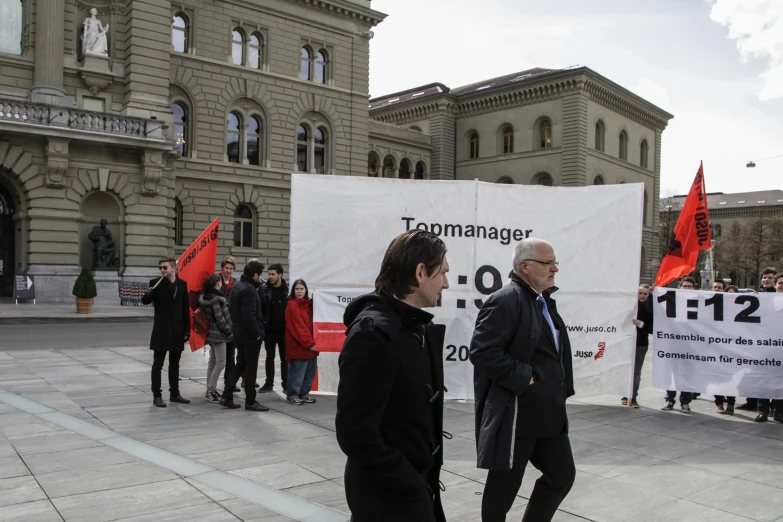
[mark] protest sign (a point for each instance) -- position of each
(718, 343)
(341, 227)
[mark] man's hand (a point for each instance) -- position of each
(312, 348)
(637, 322)
(532, 380)
(187, 338)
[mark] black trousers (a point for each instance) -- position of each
(270, 341)
(157, 367)
(685, 397)
(553, 458)
(246, 368)
(230, 350)
(720, 399)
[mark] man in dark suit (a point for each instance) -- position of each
(170, 329)
(523, 375)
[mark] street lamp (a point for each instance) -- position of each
(752, 163)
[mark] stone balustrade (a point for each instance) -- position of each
(77, 119)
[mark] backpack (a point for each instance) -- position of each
(200, 321)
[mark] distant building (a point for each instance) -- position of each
(569, 127)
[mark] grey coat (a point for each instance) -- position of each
(216, 309)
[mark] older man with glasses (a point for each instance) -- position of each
(523, 375)
(170, 328)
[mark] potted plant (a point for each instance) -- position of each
(84, 290)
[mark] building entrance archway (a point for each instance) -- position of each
(96, 206)
(7, 243)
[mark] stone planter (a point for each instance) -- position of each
(83, 306)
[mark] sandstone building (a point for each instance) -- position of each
(204, 108)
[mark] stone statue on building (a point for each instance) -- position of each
(94, 39)
(104, 252)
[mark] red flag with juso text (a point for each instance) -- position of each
(193, 267)
(691, 234)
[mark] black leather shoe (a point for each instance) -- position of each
(158, 401)
(231, 405)
(257, 407)
(180, 399)
(747, 406)
(761, 417)
(266, 388)
(778, 417)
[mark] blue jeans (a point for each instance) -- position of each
(301, 373)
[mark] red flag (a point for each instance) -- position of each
(691, 234)
(193, 267)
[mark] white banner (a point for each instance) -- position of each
(341, 227)
(718, 343)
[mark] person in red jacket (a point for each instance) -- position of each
(300, 346)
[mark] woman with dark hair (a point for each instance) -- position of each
(300, 345)
(213, 302)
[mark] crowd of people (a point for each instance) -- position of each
(771, 281)
(236, 316)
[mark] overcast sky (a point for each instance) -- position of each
(716, 65)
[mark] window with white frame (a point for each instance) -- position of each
(179, 32)
(11, 18)
(238, 47)
(244, 221)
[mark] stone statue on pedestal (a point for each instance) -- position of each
(104, 253)
(94, 39)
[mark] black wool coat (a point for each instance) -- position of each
(389, 418)
(512, 342)
(171, 326)
(247, 318)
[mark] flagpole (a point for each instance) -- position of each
(712, 242)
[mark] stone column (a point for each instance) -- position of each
(49, 50)
(443, 129)
(573, 170)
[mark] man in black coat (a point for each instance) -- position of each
(170, 329)
(522, 377)
(390, 397)
(274, 299)
(248, 327)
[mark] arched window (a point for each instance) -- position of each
(305, 64)
(255, 50)
(301, 148)
(505, 180)
(544, 140)
(643, 153)
(180, 127)
(473, 145)
(644, 209)
(233, 132)
(598, 180)
(623, 145)
(319, 150)
(543, 178)
(420, 168)
(372, 164)
(508, 140)
(238, 47)
(405, 169)
(253, 143)
(600, 136)
(389, 167)
(179, 33)
(11, 26)
(320, 66)
(243, 226)
(177, 222)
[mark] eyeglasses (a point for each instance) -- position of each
(547, 263)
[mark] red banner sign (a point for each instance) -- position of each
(193, 267)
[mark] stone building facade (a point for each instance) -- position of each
(570, 127)
(200, 109)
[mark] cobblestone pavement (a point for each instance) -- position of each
(80, 440)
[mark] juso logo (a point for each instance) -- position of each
(601, 349)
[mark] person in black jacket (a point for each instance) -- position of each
(390, 396)
(274, 299)
(248, 328)
(522, 376)
(170, 328)
(644, 327)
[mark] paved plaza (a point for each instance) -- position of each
(80, 440)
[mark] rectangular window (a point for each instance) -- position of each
(247, 234)
(232, 148)
(301, 157)
(319, 158)
(11, 26)
(252, 150)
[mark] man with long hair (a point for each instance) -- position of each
(390, 397)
